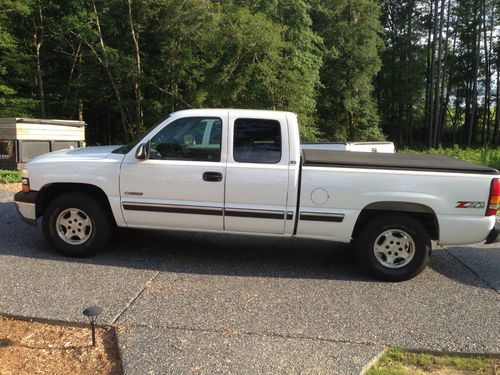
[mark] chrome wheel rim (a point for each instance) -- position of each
(394, 248)
(74, 226)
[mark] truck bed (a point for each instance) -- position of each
(412, 162)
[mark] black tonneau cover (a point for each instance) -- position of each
(374, 160)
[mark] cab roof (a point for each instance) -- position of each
(219, 111)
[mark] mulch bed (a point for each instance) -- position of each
(31, 347)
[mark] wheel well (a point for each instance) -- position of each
(424, 214)
(51, 191)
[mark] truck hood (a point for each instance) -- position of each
(76, 154)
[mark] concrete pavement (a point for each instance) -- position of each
(203, 303)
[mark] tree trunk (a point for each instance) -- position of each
(443, 103)
(468, 104)
(472, 115)
(431, 75)
(455, 122)
(485, 138)
(408, 74)
(76, 60)
(448, 89)
(496, 132)
(105, 63)
(38, 36)
(137, 86)
(428, 71)
(437, 98)
(80, 100)
(392, 101)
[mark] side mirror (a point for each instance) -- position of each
(142, 152)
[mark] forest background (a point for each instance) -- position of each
(423, 74)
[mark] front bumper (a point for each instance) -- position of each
(494, 235)
(26, 205)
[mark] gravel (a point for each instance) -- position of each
(35, 282)
(431, 311)
(482, 260)
(160, 351)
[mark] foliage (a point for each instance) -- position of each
(485, 156)
(439, 82)
(401, 80)
(292, 78)
(13, 62)
(122, 71)
(352, 69)
(9, 177)
(350, 30)
(193, 53)
(399, 362)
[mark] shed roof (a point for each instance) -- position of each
(24, 120)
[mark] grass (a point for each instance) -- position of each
(485, 156)
(9, 177)
(400, 362)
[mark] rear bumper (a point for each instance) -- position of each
(26, 205)
(494, 235)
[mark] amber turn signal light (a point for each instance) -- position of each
(25, 182)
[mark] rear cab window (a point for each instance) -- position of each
(257, 141)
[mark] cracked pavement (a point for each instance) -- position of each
(204, 303)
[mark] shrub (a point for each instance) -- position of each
(9, 177)
(485, 156)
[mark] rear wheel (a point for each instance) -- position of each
(76, 225)
(394, 247)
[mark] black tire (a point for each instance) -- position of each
(87, 210)
(374, 230)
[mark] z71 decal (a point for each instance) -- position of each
(470, 205)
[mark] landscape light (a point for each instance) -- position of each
(92, 313)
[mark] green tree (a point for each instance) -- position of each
(350, 30)
(14, 100)
(296, 78)
(401, 80)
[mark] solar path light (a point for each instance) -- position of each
(92, 313)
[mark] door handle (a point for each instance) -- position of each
(212, 176)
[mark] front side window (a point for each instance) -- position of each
(192, 138)
(257, 141)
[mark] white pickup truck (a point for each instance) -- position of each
(243, 171)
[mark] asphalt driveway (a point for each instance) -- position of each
(197, 303)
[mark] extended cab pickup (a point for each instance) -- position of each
(243, 171)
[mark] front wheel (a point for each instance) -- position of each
(394, 247)
(76, 225)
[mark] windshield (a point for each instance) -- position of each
(126, 148)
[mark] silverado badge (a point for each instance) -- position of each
(133, 193)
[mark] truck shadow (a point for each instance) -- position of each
(475, 265)
(238, 255)
(219, 254)
(197, 253)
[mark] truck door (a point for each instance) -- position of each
(181, 184)
(257, 174)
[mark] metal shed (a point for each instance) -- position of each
(21, 139)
